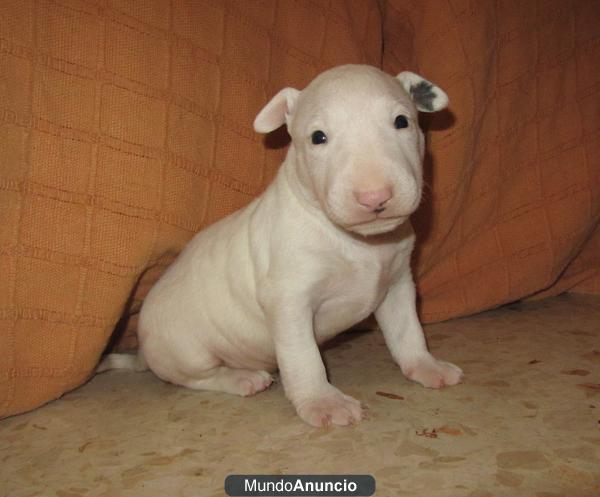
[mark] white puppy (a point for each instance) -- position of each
(327, 244)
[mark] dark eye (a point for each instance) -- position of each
(400, 122)
(318, 137)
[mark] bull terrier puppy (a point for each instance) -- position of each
(327, 244)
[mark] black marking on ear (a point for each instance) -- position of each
(423, 95)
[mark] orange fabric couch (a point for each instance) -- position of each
(127, 127)
(514, 166)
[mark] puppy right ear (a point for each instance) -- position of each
(277, 112)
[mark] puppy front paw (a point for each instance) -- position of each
(333, 408)
(431, 373)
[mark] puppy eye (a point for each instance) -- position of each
(400, 122)
(318, 137)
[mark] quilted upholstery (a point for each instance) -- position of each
(514, 166)
(126, 128)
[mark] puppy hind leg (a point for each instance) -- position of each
(244, 382)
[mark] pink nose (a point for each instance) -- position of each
(374, 199)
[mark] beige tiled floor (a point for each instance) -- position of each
(526, 421)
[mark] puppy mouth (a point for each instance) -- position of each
(379, 223)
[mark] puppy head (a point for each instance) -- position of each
(357, 143)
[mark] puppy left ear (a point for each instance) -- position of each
(426, 96)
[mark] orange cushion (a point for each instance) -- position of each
(126, 129)
(513, 168)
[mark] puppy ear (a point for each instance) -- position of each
(277, 112)
(426, 96)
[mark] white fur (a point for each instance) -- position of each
(262, 288)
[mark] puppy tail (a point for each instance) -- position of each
(122, 361)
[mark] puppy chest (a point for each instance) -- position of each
(349, 296)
